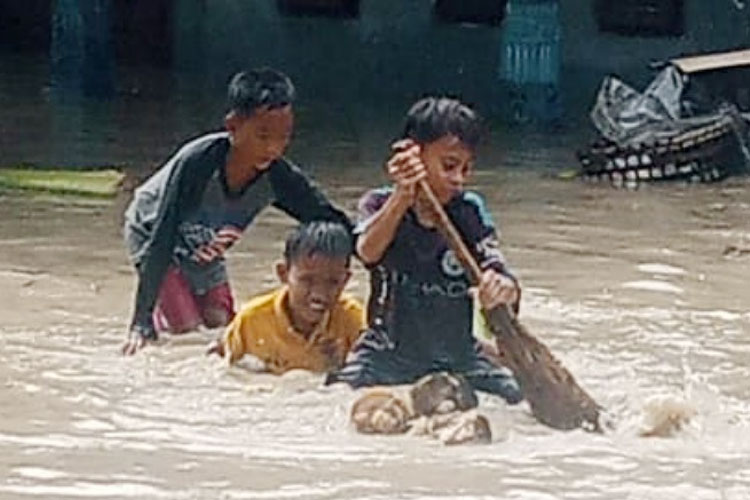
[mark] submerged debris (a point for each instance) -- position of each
(658, 135)
(439, 405)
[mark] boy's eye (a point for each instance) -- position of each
(267, 137)
(464, 168)
(450, 166)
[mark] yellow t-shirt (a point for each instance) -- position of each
(262, 328)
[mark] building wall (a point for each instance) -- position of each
(709, 26)
(393, 48)
(396, 51)
(589, 54)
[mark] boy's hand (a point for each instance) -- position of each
(215, 347)
(496, 289)
(405, 169)
(136, 341)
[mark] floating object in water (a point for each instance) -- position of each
(87, 183)
(703, 149)
(568, 173)
(736, 251)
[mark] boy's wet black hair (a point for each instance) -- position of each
(433, 117)
(324, 238)
(255, 88)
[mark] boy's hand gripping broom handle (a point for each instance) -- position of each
(555, 397)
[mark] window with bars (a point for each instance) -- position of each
(324, 8)
(641, 17)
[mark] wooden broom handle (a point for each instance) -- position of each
(449, 231)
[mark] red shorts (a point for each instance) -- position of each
(179, 310)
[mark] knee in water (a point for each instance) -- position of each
(442, 392)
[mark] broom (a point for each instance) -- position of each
(554, 396)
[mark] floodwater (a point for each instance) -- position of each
(640, 293)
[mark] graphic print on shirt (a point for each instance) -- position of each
(420, 284)
(204, 244)
(488, 249)
(450, 264)
(219, 220)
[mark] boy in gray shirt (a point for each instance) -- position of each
(186, 215)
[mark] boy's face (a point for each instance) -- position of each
(315, 283)
(449, 163)
(263, 136)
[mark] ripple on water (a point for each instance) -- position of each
(84, 489)
(663, 269)
(39, 473)
(653, 286)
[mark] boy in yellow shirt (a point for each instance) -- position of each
(307, 323)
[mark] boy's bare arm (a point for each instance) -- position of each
(405, 168)
(377, 237)
(216, 347)
(230, 345)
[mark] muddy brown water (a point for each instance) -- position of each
(640, 293)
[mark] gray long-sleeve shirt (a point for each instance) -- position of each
(185, 214)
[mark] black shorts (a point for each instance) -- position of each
(375, 360)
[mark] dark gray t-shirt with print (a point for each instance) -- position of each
(211, 228)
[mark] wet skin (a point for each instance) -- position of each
(315, 283)
(257, 140)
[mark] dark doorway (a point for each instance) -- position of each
(25, 25)
(325, 8)
(489, 12)
(142, 31)
(641, 17)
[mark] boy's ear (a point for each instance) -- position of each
(282, 271)
(230, 121)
